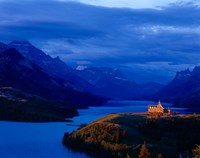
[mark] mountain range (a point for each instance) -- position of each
(183, 90)
(113, 84)
(53, 66)
(103, 81)
(34, 86)
(26, 76)
(21, 73)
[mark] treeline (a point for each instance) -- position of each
(149, 137)
(172, 136)
(34, 110)
(99, 139)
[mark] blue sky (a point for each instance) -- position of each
(147, 40)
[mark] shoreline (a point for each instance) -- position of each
(115, 134)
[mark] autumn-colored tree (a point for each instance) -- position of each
(196, 151)
(117, 135)
(128, 156)
(124, 133)
(144, 152)
(160, 155)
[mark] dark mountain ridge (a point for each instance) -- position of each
(54, 102)
(53, 66)
(177, 87)
(183, 90)
(3, 47)
(104, 81)
(19, 72)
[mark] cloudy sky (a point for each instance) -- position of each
(149, 40)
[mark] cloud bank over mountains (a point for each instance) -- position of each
(156, 4)
(145, 43)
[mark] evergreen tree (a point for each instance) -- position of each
(144, 152)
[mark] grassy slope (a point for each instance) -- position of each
(119, 135)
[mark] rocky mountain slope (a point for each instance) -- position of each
(3, 47)
(184, 89)
(112, 83)
(54, 99)
(53, 66)
(18, 72)
(106, 82)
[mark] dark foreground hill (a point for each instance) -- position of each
(122, 136)
(16, 105)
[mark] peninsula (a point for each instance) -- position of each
(134, 134)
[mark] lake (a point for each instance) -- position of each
(44, 140)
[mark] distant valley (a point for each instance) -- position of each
(32, 83)
(113, 84)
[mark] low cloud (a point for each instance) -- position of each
(133, 4)
(147, 44)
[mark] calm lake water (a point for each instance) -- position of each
(44, 140)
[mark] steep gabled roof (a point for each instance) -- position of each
(152, 105)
